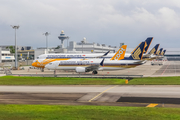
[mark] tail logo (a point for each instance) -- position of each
(145, 47)
(158, 52)
(119, 54)
(152, 51)
(136, 54)
(162, 53)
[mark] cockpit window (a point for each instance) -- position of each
(50, 63)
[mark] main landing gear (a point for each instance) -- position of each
(94, 72)
(42, 70)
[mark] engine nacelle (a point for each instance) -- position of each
(80, 69)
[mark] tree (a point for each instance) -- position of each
(57, 47)
(12, 50)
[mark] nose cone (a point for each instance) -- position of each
(34, 64)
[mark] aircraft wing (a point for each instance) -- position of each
(141, 61)
(94, 67)
(103, 55)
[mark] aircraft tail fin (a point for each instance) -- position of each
(148, 43)
(137, 54)
(120, 53)
(154, 49)
(159, 52)
(163, 52)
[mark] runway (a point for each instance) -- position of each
(119, 95)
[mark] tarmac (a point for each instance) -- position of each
(147, 70)
(119, 95)
(112, 95)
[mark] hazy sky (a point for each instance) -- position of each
(102, 21)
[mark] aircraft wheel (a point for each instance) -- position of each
(42, 70)
(94, 72)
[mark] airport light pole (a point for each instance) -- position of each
(15, 27)
(82, 45)
(46, 34)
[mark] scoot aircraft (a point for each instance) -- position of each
(44, 59)
(115, 63)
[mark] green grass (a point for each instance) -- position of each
(64, 112)
(14, 80)
(155, 81)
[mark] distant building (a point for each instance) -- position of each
(18, 47)
(85, 47)
(5, 55)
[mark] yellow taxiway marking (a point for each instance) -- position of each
(101, 93)
(152, 105)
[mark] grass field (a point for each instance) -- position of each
(62, 112)
(155, 81)
(15, 80)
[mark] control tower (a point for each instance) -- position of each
(62, 37)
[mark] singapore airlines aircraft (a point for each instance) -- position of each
(159, 52)
(152, 54)
(162, 53)
(115, 63)
(44, 59)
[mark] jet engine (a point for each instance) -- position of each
(80, 69)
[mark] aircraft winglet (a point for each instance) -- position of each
(102, 62)
(103, 55)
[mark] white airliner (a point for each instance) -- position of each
(115, 63)
(44, 59)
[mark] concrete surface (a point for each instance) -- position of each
(77, 94)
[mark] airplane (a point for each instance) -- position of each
(159, 52)
(148, 43)
(44, 59)
(154, 49)
(152, 54)
(115, 63)
(162, 53)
